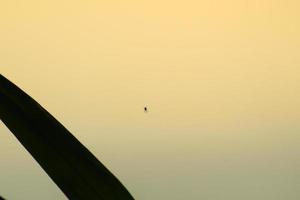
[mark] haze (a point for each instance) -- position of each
(220, 80)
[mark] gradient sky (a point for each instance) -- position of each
(220, 78)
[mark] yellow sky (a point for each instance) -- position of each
(220, 78)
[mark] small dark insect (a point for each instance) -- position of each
(145, 109)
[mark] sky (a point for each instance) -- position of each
(220, 80)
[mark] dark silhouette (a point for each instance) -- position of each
(1, 198)
(145, 109)
(74, 169)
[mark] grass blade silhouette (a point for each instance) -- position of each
(75, 170)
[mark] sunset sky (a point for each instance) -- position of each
(221, 80)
